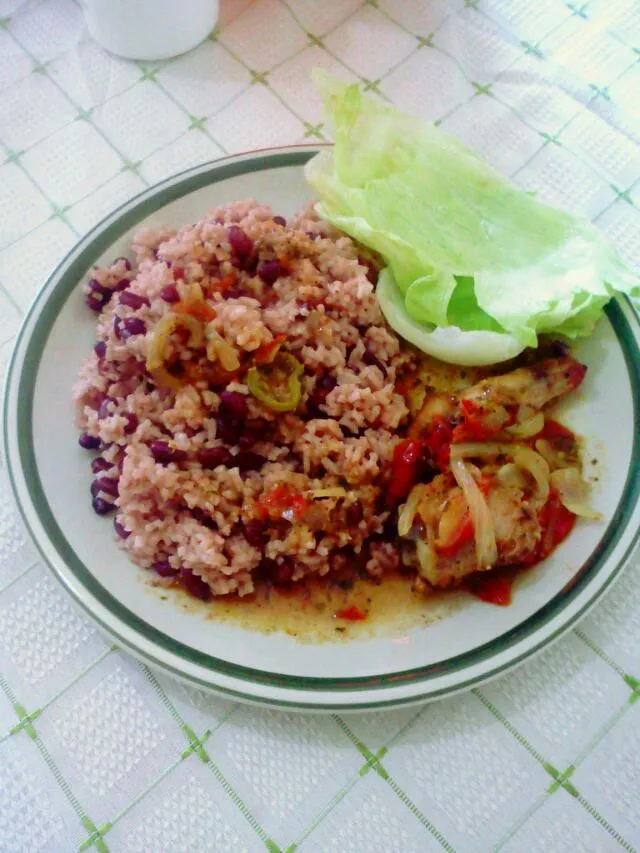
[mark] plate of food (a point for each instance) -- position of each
(366, 440)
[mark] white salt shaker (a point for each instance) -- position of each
(150, 29)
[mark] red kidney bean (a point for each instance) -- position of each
(101, 506)
(132, 300)
(100, 349)
(263, 573)
(343, 571)
(370, 359)
(283, 572)
(231, 415)
(247, 460)
(353, 514)
(195, 585)
(163, 453)
(226, 431)
(128, 327)
(211, 457)
(107, 485)
(233, 404)
(280, 220)
(170, 293)
(253, 431)
(240, 242)
(323, 387)
(247, 440)
(254, 532)
(270, 271)
(96, 287)
(131, 423)
(100, 464)
(133, 326)
(122, 531)
(123, 284)
(325, 384)
(119, 460)
(105, 409)
(98, 296)
(204, 518)
(235, 292)
(89, 442)
(164, 569)
(118, 328)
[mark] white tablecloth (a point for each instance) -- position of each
(97, 752)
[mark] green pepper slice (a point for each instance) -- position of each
(277, 385)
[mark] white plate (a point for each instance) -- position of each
(50, 479)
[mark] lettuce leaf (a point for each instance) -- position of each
(465, 246)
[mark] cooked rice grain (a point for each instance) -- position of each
(208, 518)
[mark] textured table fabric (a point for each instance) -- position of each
(96, 751)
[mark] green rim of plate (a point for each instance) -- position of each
(49, 305)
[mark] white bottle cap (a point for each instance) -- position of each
(150, 29)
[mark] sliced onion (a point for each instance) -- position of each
(427, 556)
(486, 548)
(529, 427)
(511, 475)
(408, 512)
(556, 459)
(483, 449)
(522, 455)
(532, 462)
(334, 492)
(193, 293)
(524, 413)
(573, 492)
(158, 341)
(219, 350)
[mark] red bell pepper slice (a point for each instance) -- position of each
(267, 352)
(405, 467)
(455, 528)
(494, 587)
(557, 523)
(353, 614)
(438, 442)
(281, 500)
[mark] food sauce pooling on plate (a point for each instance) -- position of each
(320, 611)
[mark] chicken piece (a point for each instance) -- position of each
(436, 408)
(453, 556)
(433, 377)
(516, 525)
(413, 390)
(450, 570)
(434, 498)
(500, 401)
(443, 514)
(449, 378)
